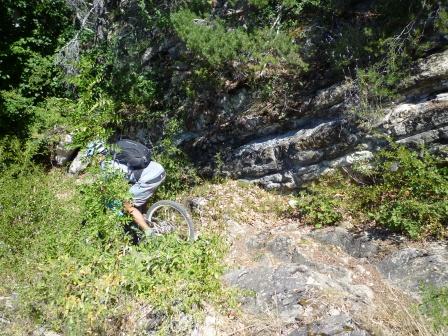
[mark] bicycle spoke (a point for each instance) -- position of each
(170, 217)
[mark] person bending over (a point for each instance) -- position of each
(134, 160)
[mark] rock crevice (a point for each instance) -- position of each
(281, 151)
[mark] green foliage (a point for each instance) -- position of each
(76, 271)
(376, 86)
(318, 210)
(41, 78)
(180, 173)
(95, 109)
(29, 29)
(435, 306)
(442, 21)
(412, 197)
(50, 113)
(386, 37)
(16, 112)
(218, 44)
(125, 79)
(297, 6)
(379, 82)
(408, 194)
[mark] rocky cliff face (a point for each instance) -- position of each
(286, 149)
(302, 125)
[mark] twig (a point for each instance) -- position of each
(277, 20)
(352, 177)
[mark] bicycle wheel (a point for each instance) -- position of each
(168, 216)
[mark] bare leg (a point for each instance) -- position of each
(137, 216)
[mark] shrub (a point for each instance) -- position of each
(318, 210)
(435, 306)
(95, 110)
(76, 271)
(296, 5)
(412, 193)
(217, 44)
(16, 112)
(180, 172)
(405, 192)
(442, 21)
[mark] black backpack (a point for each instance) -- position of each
(131, 153)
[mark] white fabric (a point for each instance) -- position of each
(152, 176)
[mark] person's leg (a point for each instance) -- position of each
(137, 216)
(142, 191)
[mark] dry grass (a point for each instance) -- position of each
(397, 314)
(241, 202)
(241, 210)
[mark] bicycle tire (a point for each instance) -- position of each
(156, 207)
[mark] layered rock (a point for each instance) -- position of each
(322, 136)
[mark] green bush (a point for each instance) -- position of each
(318, 210)
(296, 5)
(406, 191)
(435, 306)
(95, 111)
(76, 271)
(218, 44)
(442, 21)
(31, 31)
(180, 172)
(16, 112)
(412, 194)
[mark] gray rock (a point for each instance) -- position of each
(281, 288)
(282, 151)
(41, 331)
(9, 302)
(201, 22)
(430, 75)
(331, 96)
(287, 288)
(356, 246)
(340, 325)
(411, 268)
(283, 249)
(182, 324)
(79, 164)
(148, 55)
(4, 321)
(63, 152)
(258, 241)
(410, 119)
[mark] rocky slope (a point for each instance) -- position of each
(280, 152)
(291, 279)
(298, 281)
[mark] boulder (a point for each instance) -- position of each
(338, 325)
(411, 268)
(63, 152)
(79, 164)
(360, 246)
